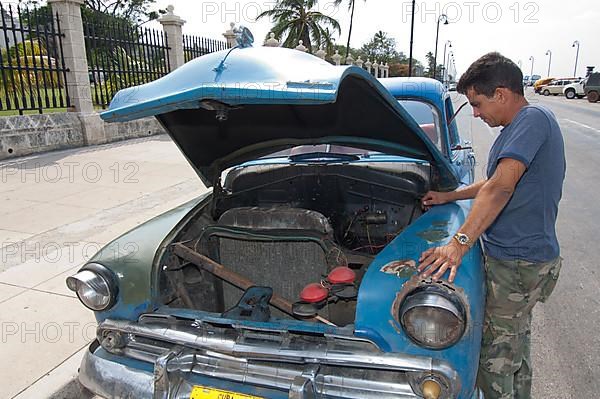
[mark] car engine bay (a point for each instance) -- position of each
(305, 233)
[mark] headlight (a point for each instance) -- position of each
(433, 318)
(95, 286)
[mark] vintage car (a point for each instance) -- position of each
(295, 275)
(556, 86)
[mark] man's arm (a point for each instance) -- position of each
(468, 192)
(438, 197)
(492, 197)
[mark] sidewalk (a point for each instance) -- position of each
(57, 209)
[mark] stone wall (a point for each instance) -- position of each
(31, 134)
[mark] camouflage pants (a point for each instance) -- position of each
(513, 289)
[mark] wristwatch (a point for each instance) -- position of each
(463, 239)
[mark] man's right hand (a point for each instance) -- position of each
(434, 198)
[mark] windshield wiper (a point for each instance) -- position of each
(324, 157)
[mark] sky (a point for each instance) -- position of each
(517, 29)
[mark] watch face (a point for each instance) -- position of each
(462, 238)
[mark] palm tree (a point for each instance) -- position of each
(351, 4)
(327, 41)
(297, 20)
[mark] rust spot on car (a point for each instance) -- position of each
(433, 235)
(400, 268)
(396, 326)
(440, 223)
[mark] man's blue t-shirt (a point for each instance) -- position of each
(525, 229)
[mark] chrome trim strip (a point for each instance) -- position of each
(337, 352)
(110, 379)
(239, 355)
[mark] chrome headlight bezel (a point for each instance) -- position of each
(437, 302)
(95, 286)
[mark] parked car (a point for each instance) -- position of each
(540, 83)
(556, 86)
(592, 87)
(575, 89)
(530, 80)
(295, 274)
(452, 86)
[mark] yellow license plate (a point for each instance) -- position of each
(200, 392)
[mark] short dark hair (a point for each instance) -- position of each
(490, 72)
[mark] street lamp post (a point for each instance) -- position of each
(549, 61)
(576, 43)
(447, 66)
(531, 59)
(449, 44)
(443, 17)
(412, 32)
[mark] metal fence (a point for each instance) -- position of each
(32, 65)
(195, 46)
(121, 55)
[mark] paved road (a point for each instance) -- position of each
(566, 343)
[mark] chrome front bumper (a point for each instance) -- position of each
(298, 366)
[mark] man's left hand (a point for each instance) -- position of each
(439, 259)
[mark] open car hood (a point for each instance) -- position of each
(224, 109)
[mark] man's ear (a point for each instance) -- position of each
(501, 94)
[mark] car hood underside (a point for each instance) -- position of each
(297, 99)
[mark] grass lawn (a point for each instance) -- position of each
(32, 102)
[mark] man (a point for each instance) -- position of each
(514, 213)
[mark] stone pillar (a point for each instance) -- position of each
(301, 47)
(368, 65)
(230, 36)
(359, 62)
(172, 26)
(337, 58)
(78, 81)
(376, 69)
(271, 41)
(349, 60)
(321, 53)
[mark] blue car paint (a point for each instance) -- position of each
(374, 318)
(259, 75)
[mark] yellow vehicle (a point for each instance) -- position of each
(541, 82)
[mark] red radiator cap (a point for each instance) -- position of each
(341, 275)
(314, 293)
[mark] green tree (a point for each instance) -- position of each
(351, 5)
(296, 20)
(327, 41)
(382, 49)
(439, 69)
(135, 11)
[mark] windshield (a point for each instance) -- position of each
(427, 117)
(423, 113)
